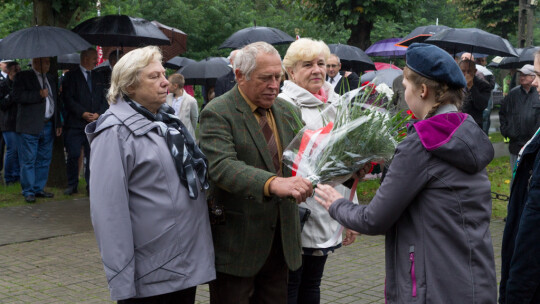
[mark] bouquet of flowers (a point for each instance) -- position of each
(363, 130)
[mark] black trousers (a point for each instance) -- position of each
(2, 147)
(74, 139)
(305, 283)
(185, 296)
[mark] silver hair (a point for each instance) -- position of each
(126, 71)
(337, 57)
(246, 59)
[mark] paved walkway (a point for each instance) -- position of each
(48, 254)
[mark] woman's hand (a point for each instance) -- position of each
(326, 195)
(350, 237)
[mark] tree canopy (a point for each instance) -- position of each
(495, 16)
(209, 22)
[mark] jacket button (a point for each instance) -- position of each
(250, 197)
(273, 227)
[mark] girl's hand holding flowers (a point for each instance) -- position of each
(326, 195)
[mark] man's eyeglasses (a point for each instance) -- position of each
(333, 66)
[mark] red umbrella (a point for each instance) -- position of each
(383, 66)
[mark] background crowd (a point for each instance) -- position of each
(122, 124)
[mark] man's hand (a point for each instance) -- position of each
(297, 187)
(44, 93)
(88, 116)
(94, 116)
(326, 195)
(58, 131)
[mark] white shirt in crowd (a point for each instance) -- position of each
(49, 105)
(177, 102)
(335, 80)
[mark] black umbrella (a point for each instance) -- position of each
(41, 41)
(472, 40)
(69, 61)
(205, 72)
(121, 30)
(352, 58)
(256, 33)
(526, 56)
(421, 33)
(178, 62)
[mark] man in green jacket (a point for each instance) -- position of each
(243, 134)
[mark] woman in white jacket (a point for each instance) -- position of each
(305, 63)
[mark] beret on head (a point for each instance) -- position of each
(434, 63)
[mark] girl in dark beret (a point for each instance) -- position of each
(434, 205)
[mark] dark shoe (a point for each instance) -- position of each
(44, 194)
(30, 199)
(70, 191)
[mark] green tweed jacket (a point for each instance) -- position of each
(240, 164)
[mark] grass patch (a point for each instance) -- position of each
(496, 137)
(499, 174)
(366, 190)
(12, 195)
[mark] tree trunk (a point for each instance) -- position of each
(43, 12)
(522, 24)
(360, 34)
(530, 26)
(44, 15)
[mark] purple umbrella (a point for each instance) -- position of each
(386, 48)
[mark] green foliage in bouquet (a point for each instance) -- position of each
(363, 130)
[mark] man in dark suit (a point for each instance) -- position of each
(243, 134)
(342, 82)
(37, 122)
(106, 70)
(3, 78)
(227, 81)
(8, 117)
(84, 100)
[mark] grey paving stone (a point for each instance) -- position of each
(48, 254)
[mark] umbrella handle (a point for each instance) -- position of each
(42, 75)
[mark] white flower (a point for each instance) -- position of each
(385, 89)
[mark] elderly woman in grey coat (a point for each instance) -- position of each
(434, 204)
(148, 210)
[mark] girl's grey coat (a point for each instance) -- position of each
(434, 206)
(152, 237)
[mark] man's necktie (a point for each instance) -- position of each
(270, 138)
(332, 80)
(89, 80)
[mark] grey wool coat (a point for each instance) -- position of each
(152, 237)
(434, 206)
